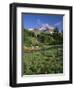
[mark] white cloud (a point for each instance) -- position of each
(57, 24)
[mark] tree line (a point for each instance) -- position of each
(43, 38)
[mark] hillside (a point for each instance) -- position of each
(43, 52)
(41, 38)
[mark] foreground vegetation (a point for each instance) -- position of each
(43, 52)
(44, 62)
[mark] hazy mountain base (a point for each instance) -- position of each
(43, 52)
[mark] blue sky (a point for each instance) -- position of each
(36, 20)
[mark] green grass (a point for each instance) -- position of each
(48, 61)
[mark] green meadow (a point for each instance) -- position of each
(42, 52)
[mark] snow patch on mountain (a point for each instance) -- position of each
(46, 27)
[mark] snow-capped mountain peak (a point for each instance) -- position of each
(46, 27)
